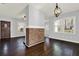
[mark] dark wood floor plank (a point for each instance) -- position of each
(51, 47)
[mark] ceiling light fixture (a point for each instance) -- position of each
(57, 10)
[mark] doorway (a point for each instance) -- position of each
(5, 29)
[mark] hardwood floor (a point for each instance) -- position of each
(51, 47)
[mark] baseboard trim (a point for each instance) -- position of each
(18, 37)
(64, 40)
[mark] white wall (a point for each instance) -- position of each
(36, 18)
(64, 36)
(46, 24)
(15, 31)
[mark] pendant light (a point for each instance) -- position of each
(57, 10)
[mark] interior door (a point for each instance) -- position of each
(5, 29)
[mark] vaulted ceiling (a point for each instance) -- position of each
(13, 9)
(48, 8)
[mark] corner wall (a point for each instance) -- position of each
(65, 36)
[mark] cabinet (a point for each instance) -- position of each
(34, 36)
(4, 29)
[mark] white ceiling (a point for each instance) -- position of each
(48, 8)
(13, 9)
